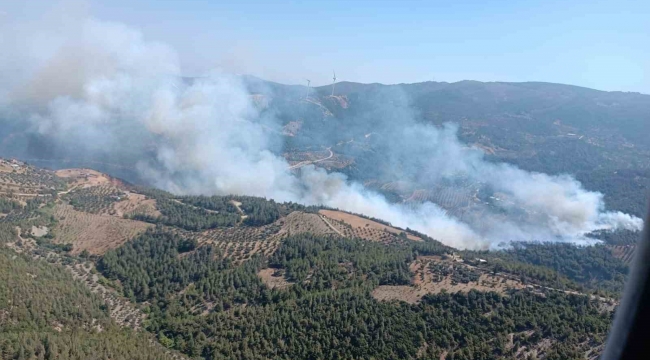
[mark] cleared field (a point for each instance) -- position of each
(366, 233)
(136, 204)
(5, 166)
(241, 233)
(299, 222)
(623, 252)
(240, 243)
(363, 228)
(19, 178)
(91, 232)
(427, 279)
(273, 280)
(86, 177)
(39, 231)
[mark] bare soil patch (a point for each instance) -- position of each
(94, 233)
(272, 280)
(413, 294)
(365, 228)
(5, 166)
(87, 177)
(291, 128)
(136, 204)
(39, 231)
(237, 204)
(12, 165)
(623, 252)
(299, 222)
(240, 243)
(20, 179)
(426, 282)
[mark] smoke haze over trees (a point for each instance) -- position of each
(87, 86)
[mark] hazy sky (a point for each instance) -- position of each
(599, 44)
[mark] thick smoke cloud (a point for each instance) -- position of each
(529, 207)
(99, 87)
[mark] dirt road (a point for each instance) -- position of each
(237, 204)
(304, 163)
(330, 225)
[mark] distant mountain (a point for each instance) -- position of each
(542, 109)
(598, 136)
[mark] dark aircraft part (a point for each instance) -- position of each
(630, 334)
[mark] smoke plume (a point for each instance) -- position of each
(100, 88)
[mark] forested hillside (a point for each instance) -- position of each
(328, 312)
(103, 269)
(46, 314)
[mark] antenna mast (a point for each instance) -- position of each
(333, 82)
(308, 88)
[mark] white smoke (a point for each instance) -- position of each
(102, 87)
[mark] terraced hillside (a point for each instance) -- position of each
(99, 199)
(18, 179)
(355, 226)
(624, 252)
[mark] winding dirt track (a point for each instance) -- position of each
(305, 163)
